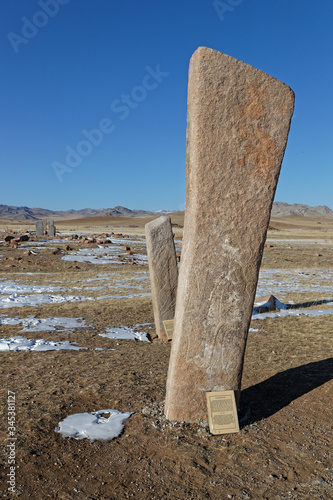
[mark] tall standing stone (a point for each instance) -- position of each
(51, 230)
(163, 271)
(39, 228)
(237, 130)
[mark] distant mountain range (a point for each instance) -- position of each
(26, 213)
(283, 209)
(31, 214)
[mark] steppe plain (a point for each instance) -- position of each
(283, 448)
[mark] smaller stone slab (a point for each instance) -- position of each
(163, 271)
(39, 228)
(51, 230)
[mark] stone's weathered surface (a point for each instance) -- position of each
(51, 230)
(238, 124)
(39, 228)
(163, 271)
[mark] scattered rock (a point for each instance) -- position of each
(24, 237)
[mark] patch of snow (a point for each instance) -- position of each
(131, 296)
(282, 281)
(105, 254)
(125, 333)
(12, 287)
(17, 300)
(102, 425)
(33, 324)
(293, 312)
(23, 344)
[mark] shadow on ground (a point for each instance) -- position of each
(268, 397)
(309, 304)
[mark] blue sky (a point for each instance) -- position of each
(70, 66)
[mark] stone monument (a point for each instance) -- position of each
(51, 230)
(163, 271)
(39, 228)
(237, 128)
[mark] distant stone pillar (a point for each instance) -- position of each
(163, 271)
(39, 228)
(237, 129)
(51, 230)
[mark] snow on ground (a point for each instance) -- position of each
(15, 294)
(94, 256)
(33, 324)
(125, 333)
(293, 312)
(277, 282)
(108, 254)
(280, 282)
(23, 344)
(102, 425)
(297, 242)
(139, 281)
(9, 287)
(103, 255)
(17, 300)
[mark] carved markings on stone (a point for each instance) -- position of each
(238, 124)
(163, 271)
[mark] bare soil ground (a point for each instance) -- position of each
(283, 450)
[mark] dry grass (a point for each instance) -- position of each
(282, 451)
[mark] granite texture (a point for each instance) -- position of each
(237, 128)
(163, 271)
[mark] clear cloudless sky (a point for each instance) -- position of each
(68, 70)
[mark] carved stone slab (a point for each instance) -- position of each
(51, 230)
(163, 271)
(39, 228)
(237, 130)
